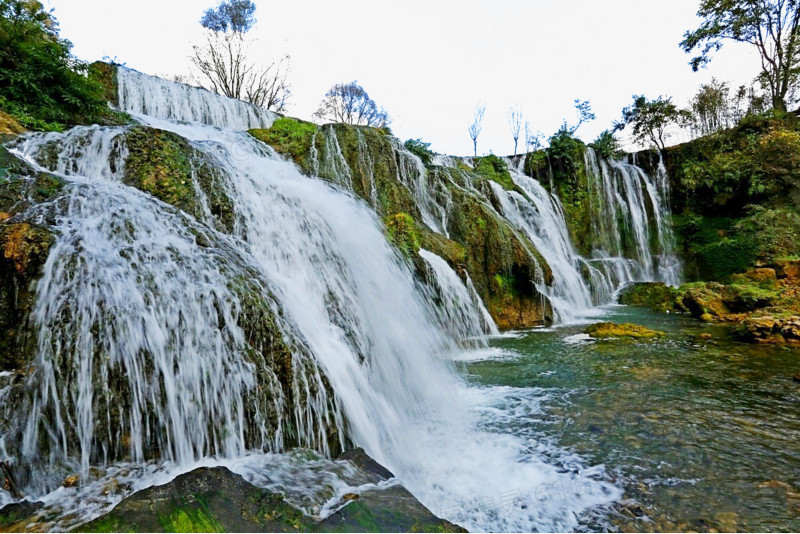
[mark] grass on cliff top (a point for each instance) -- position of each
(494, 168)
(289, 137)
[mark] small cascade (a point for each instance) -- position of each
(630, 213)
(539, 216)
(433, 199)
(459, 309)
(160, 99)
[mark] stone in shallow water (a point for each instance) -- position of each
(621, 330)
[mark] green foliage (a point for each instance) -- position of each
(770, 26)
(402, 233)
(421, 149)
(606, 145)
(649, 119)
(289, 137)
(758, 160)
(42, 85)
(494, 168)
(566, 148)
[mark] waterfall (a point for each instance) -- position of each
(144, 312)
(630, 212)
(459, 308)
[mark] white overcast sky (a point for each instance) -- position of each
(429, 62)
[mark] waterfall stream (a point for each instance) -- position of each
(142, 316)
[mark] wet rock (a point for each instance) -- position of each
(218, 500)
(621, 330)
(388, 510)
(71, 481)
(796, 377)
(18, 513)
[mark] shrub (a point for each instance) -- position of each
(420, 148)
(494, 168)
(41, 83)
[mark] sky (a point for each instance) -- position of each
(430, 62)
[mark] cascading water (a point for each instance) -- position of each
(173, 364)
(460, 309)
(628, 209)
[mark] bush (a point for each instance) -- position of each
(42, 85)
(606, 145)
(494, 168)
(420, 149)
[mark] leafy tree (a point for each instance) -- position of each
(41, 83)
(421, 149)
(224, 63)
(236, 15)
(650, 119)
(606, 144)
(769, 25)
(515, 124)
(349, 103)
(477, 126)
(584, 110)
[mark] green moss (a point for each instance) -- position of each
(494, 168)
(105, 75)
(190, 520)
(291, 138)
(159, 163)
(402, 233)
(621, 330)
(654, 295)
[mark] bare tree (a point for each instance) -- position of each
(349, 103)
(224, 60)
(514, 124)
(476, 126)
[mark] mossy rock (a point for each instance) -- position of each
(494, 168)
(165, 165)
(106, 75)
(9, 125)
(608, 330)
(291, 138)
(402, 232)
(657, 296)
(217, 500)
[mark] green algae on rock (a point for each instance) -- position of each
(607, 330)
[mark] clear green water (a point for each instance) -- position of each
(702, 434)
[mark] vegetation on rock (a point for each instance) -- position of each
(621, 330)
(291, 138)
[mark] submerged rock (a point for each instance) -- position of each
(218, 500)
(621, 330)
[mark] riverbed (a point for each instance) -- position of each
(700, 431)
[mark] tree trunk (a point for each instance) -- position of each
(778, 103)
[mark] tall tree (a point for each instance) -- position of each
(769, 25)
(225, 63)
(476, 126)
(515, 124)
(349, 103)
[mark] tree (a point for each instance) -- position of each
(711, 107)
(515, 124)
(224, 59)
(476, 126)
(41, 83)
(584, 109)
(349, 103)
(769, 25)
(650, 119)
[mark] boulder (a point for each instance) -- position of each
(214, 499)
